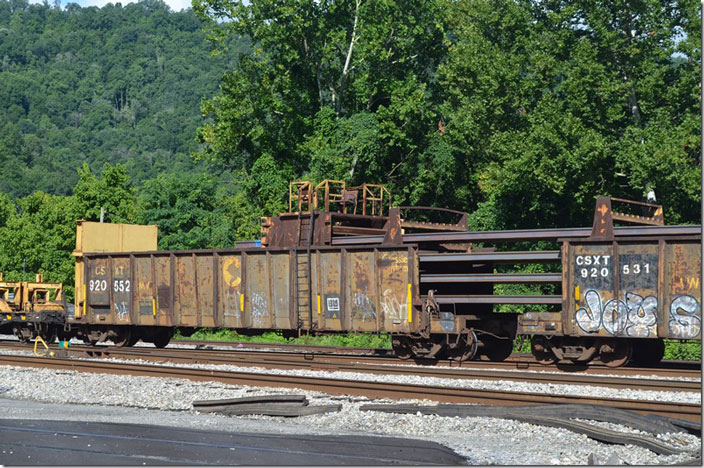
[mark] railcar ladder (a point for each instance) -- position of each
(303, 307)
(303, 273)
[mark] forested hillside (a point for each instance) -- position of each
(113, 84)
(99, 108)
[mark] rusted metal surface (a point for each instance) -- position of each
(460, 225)
(522, 235)
(366, 289)
(108, 237)
(634, 289)
(640, 213)
(682, 295)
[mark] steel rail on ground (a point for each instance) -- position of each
(383, 366)
(691, 412)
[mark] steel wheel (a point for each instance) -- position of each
(402, 348)
(615, 353)
(134, 338)
(496, 349)
(122, 337)
(648, 352)
(541, 351)
(466, 348)
(162, 338)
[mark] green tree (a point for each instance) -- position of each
(111, 191)
(183, 206)
(343, 88)
(552, 104)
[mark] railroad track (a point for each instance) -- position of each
(670, 369)
(370, 365)
(688, 369)
(371, 389)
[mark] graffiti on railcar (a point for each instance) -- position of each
(122, 311)
(363, 307)
(393, 308)
(642, 315)
(634, 316)
(683, 270)
(260, 309)
(232, 303)
(685, 321)
(589, 318)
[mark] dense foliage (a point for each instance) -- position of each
(94, 85)
(519, 111)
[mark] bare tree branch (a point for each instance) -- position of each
(346, 69)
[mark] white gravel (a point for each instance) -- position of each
(480, 440)
(504, 385)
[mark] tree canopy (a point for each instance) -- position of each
(118, 84)
(521, 112)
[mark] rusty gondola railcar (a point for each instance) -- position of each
(621, 296)
(367, 289)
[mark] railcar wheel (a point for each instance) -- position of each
(466, 347)
(402, 348)
(50, 336)
(615, 353)
(122, 338)
(23, 334)
(134, 338)
(541, 351)
(161, 339)
(496, 349)
(648, 352)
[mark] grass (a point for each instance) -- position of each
(674, 349)
(686, 351)
(356, 340)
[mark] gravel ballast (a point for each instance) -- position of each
(162, 401)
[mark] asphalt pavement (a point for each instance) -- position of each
(78, 443)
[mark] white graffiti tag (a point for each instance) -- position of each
(641, 315)
(614, 317)
(122, 311)
(685, 317)
(259, 310)
(589, 318)
(636, 316)
(393, 309)
(364, 307)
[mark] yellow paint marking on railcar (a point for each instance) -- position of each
(153, 307)
(577, 296)
(410, 304)
(23, 317)
(9, 317)
(318, 304)
(242, 302)
(85, 299)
